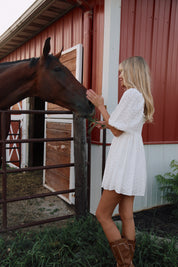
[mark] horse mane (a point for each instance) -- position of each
(33, 61)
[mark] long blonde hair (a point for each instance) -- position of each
(136, 74)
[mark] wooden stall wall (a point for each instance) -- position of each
(60, 126)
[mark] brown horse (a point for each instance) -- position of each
(45, 77)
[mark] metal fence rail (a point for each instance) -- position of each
(4, 171)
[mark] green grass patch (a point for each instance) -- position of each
(153, 251)
(80, 243)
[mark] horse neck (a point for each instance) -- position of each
(6, 65)
(16, 83)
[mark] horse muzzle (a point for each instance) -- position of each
(85, 111)
(91, 109)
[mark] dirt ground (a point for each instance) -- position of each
(26, 211)
(160, 220)
(157, 220)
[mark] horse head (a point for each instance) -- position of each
(56, 84)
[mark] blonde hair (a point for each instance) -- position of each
(136, 74)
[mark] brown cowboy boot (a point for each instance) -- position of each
(132, 249)
(122, 252)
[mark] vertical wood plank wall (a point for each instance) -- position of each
(60, 152)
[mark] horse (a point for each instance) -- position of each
(45, 77)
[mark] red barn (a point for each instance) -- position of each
(108, 32)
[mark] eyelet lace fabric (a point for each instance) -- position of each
(125, 170)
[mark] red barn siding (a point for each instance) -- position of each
(97, 59)
(171, 95)
(77, 27)
(148, 28)
(98, 38)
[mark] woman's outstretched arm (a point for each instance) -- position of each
(98, 101)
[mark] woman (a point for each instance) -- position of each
(125, 171)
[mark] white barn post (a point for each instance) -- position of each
(112, 18)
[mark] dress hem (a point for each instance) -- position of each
(124, 193)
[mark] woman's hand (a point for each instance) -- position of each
(100, 125)
(98, 101)
(94, 98)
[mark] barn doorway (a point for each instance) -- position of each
(36, 130)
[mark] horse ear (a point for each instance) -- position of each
(46, 47)
(58, 55)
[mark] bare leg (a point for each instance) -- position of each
(122, 248)
(126, 214)
(107, 204)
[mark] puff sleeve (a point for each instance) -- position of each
(129, 113)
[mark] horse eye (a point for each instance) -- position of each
(57, 68)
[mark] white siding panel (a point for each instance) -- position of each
(158, 158)
(96, 177)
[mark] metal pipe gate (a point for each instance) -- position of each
(81, 164)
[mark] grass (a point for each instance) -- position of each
(154, 251)
(80, 243)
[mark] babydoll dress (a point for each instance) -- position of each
(125, 170)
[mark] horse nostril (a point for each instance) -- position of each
(90, 105)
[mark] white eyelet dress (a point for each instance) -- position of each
(125, 170)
